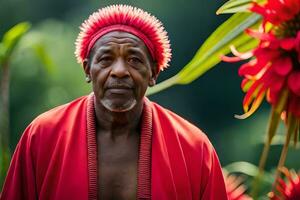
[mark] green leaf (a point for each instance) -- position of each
(44, 57)
(235, 6)
(242, 167)
(35, 41)
(247, 169)
(297, 134)
(11, 39)
(231, 32)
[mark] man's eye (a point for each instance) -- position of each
(134, 60)
(105, 60)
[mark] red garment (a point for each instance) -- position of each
(56, 157)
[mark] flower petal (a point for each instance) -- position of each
(288, 43)
(282, 66)
(298, 45)
(255, 105)
(230, 59)
(246, 84)
(260, 35)
(294, 83)
(250, 68)
(251, 94)
(243, 56)
(275, 83)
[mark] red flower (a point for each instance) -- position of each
(277, 11)
(274, 67)
(235, 190)
(287, 191)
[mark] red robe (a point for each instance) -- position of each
(56, 158)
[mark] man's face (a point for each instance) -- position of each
(121, 69)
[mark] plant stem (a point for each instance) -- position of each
(292, 125)
(273, 125)
(262, 163)
(163, 85)
(4, 122)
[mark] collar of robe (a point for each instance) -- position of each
(144, 161)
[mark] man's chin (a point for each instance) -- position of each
(119, 106)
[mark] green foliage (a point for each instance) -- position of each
(13, 41)
(248, 169)
(7, 46)
(231, 32)
(43, 56)
(55, 81)
(235, 6)
(10, 40)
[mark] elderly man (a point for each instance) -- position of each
(115, 143)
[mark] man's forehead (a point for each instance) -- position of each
(119, 38)
(116, 39)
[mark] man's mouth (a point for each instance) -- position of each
(119, 89)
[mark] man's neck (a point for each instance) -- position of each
(118, 123)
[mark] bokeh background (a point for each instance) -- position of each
(209, 102)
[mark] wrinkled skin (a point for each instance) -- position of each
(121, 69)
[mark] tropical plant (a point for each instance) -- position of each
(231, 32)
(7, 46)
(10, 41)
(268, 31)
(273, 70)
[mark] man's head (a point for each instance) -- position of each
(121, 68)
(122, 50)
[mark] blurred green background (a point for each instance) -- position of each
(209, 102)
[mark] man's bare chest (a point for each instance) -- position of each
(117, 168)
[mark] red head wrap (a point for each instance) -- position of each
(128, 19)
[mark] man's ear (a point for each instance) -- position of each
(154, 75)
(86, 66)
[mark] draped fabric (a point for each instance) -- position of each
(56, 157)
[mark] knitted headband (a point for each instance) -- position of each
(128, 19)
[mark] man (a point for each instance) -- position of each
(115, 143)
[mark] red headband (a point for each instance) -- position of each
(128, 19)
(125, 28)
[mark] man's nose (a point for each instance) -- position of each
(119, 69)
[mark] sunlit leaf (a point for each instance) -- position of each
(297, 134)
(12, 37)
(247, 169)
(279, 140)
(35, 40)
(242, 167)
(231, 32)
(235, 6)
(44, 57)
